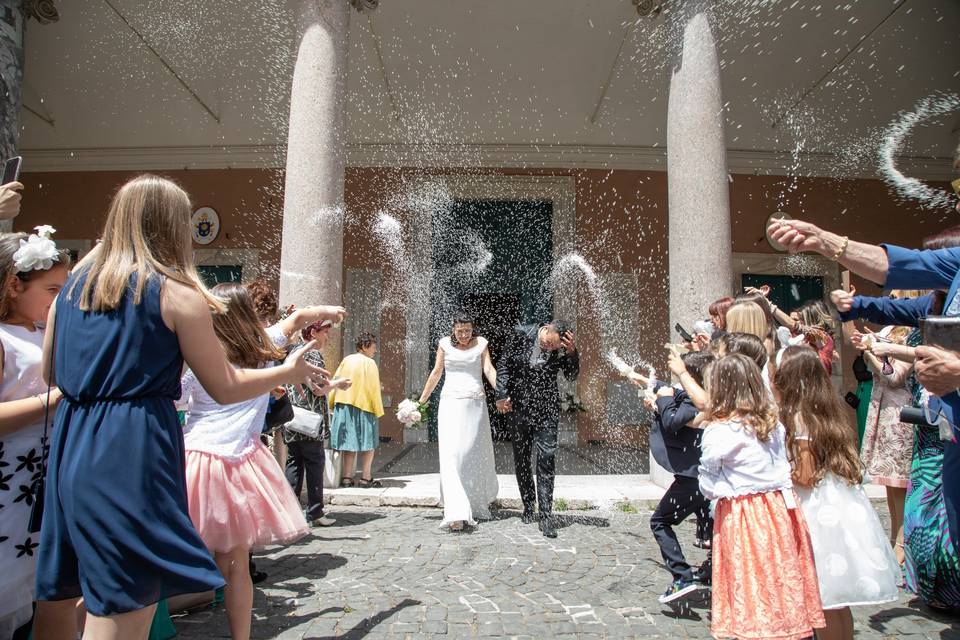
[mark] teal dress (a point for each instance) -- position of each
(353, 429)
(864, 391)
(932, 564)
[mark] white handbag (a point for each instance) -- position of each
(305, 422)
(332, 467)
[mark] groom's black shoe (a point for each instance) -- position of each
(548, 526)
(528, 516)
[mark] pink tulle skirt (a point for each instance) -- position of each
(764, 576)
(242, 504)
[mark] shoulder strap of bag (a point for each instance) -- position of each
(39, 485)
(46, 405)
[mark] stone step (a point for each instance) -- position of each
(628, 493)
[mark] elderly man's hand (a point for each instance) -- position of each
(798, 236)
(938, 369)
(10, 200)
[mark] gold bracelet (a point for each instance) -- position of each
(842, 249)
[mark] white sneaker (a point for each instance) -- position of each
(323, 521)
(677, 590)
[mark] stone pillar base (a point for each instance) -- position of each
(658, 475)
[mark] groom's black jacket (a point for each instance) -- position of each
(533, 387)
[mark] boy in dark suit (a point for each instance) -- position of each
(675, 445)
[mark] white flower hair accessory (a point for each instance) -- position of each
(38, 251)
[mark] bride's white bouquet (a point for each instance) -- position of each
(409, 413)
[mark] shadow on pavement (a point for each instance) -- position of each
(565, 521)
(353, 518)
(880, 620)
(686, 609)
(320, 564)
(367, 625)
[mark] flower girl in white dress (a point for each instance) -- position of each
(855, 564)
(468, 478)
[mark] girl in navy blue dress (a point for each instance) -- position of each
(116, 529)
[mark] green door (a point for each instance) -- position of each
(511, 289)
(787, 292)
(214, 275)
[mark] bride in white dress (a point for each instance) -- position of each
(468, 479)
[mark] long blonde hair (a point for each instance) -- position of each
(147, 233)
(816, 314)
(748, 317)
(737, 392)
(808, 402)
(239, 328)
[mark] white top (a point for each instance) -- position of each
(464, 370)
(734, 463)
(226, 430)
(20, 459)
(22, 355)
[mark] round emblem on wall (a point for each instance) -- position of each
(206, 225)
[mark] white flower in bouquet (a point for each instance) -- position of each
(408, 413)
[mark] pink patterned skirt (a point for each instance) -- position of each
(242, 504)
(764, 576)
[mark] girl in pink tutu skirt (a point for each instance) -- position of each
(764, 576)
(237, 494)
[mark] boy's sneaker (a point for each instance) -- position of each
(678, 589)
(703, 578)
(323, 521)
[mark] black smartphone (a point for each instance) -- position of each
(852, 400)
(683, 333)
(11, 170)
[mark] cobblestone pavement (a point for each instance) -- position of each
(392, 573)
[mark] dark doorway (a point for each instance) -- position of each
(518, 234)
(212, 275)
(787, 292)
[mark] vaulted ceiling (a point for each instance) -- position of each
(803, 76)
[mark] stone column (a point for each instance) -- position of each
(699, 223)
(12, 18)
(311, 258)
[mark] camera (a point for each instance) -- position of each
(941, 331)
(915, 415)
(938, 331)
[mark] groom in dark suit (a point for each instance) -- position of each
(527, 391)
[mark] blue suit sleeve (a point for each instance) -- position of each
(675, 415)
(921, 269)
(889, 311)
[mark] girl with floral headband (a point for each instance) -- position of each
(33, 272)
